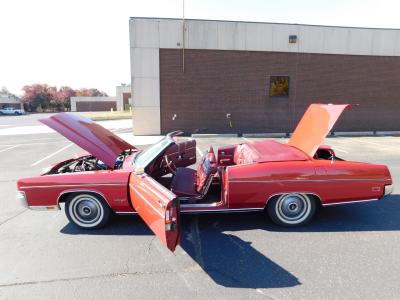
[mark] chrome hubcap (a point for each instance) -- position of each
(86, 210)
(293, 208)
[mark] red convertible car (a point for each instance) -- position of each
(287, 180)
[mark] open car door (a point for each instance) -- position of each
(157, 206)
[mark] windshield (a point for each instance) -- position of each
(147, 156)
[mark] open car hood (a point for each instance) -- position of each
(89, 135)
(315, 124)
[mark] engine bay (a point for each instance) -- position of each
(85, 164)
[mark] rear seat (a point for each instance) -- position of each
(191, 183)
(242, 155)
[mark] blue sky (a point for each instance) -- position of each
(85, 43)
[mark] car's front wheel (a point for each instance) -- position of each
(87, 210)
(293, 209)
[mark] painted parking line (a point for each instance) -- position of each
(51, 155)
(37, 143)
(339, 149)
(246, 139)
(9, 148)
(199, 151)
(382, 146)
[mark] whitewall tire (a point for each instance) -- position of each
(293, 209)
(87, 210)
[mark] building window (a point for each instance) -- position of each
(279, 86)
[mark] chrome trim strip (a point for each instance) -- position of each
(147, 202)
(69, 185)
(227, 210)
(306, 180)
(45, 207)
(21, 197)
(202, 211)
(82, 191)
(388, 189)
(214, 204)
(350, 202)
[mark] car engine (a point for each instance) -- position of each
(84, 164)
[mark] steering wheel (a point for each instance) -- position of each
(170, 165)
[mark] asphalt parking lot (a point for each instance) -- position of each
(348, 251)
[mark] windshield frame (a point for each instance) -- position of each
(145, 157)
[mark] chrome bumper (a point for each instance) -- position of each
(21, 197)
(388, 189)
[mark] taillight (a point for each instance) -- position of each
(170, 220)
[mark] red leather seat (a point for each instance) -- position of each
(207, 167)
(188, 182)
(184, 182)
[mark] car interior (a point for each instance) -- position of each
(174, 169)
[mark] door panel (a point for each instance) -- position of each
(157, 206)
(182, 154)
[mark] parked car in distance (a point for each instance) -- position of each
(11, 111)
(287, 181)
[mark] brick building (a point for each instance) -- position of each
(120, 102)
(222, 76)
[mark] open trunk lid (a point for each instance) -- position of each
(315, 124)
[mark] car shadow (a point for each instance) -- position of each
(233, 262)
(381, 215)
(118, 225)
(229, 260)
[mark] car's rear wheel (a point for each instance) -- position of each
(87, 210)
(293, 209)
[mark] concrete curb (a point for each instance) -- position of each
(287, 135)
(213, 135)
(264, 135)
(354, 133)
(388, 133)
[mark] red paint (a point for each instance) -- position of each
(249, 175)
(315, 124)
(89, 135)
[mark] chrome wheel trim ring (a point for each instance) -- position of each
(86, 210)
(293, 208)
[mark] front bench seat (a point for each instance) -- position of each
(195, 183)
